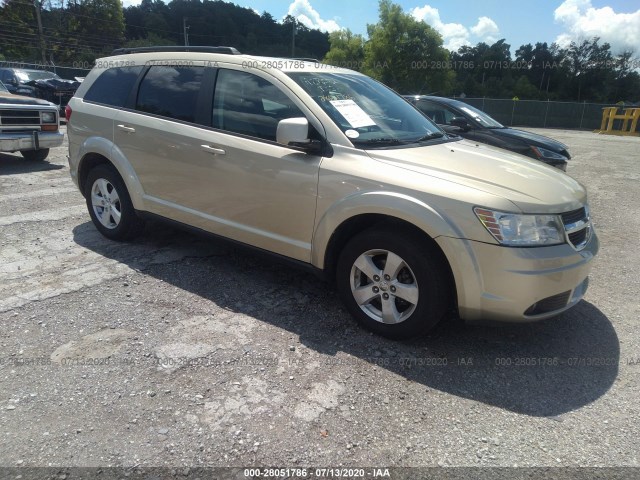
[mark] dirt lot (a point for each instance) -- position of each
(179, 351)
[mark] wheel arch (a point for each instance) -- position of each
(366, 209)
(416, 218)
(97, 151)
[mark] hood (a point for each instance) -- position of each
(11, 99)
(529, 184)
(531, 138)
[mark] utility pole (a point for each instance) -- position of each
(293, 38)
(43, 49)
(186, 31)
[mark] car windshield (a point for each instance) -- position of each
(480, 117)
(26, 76)
(370, 114)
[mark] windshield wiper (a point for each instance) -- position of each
(379, 141)
(429, 136)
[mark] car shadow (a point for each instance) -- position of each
(542, 369)
(15, 164)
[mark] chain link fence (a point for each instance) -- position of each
(534, 113)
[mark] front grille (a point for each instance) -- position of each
(549, 304)
(19, 117)
(577, 226)
(576, 238)
(573, 216)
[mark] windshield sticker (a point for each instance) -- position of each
(352, 133)
(352, 113)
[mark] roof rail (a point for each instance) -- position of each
(305, 59)
(176, 48)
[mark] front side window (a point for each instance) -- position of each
(250, 105)
(370, 114)
(171, 92)
(438, 113)
(113, 86)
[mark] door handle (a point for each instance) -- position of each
(127, 129)
(213, 150)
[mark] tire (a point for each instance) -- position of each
(112, 213)
(35, 155)
(410, 300)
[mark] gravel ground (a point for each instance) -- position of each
(179, 351)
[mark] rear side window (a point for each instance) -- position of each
(113, 86)
(171, 92)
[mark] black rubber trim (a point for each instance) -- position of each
(199, 231)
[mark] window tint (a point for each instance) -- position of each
(113, 86)
(247, 104)
(439, 114)
(7, 76)
(171, 92)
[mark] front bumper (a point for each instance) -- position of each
(36, 140)
(517, 284)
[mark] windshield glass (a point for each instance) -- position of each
(369, 114)
(480, 117)
(26, 76)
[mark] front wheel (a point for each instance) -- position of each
(394, 284)
(109, 204)
(35, 155)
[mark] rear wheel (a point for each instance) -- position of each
(393, 283)
(35, 155)
(109, 204)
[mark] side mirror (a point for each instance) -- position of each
(293, 131)
(460, 122)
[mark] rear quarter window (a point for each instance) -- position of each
(113, 86)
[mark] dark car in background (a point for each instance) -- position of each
(17, 79)
(460, 118)
(40, 84)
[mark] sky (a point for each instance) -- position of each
(467, 22)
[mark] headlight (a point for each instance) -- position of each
(544, 153)
(48, 117)
(522, 230)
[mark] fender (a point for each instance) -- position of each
(111, 152)
(392, 204)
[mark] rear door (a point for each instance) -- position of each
(160, 135)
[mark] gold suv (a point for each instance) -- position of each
(328, 167)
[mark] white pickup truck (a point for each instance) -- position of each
(28, 125)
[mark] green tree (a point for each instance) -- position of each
(20, 34)
(84, 30)
(406, 54)
(347, 50)
(524, 90)
(484, 70)
(627, 79)
(590, 73)
(150, 40)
